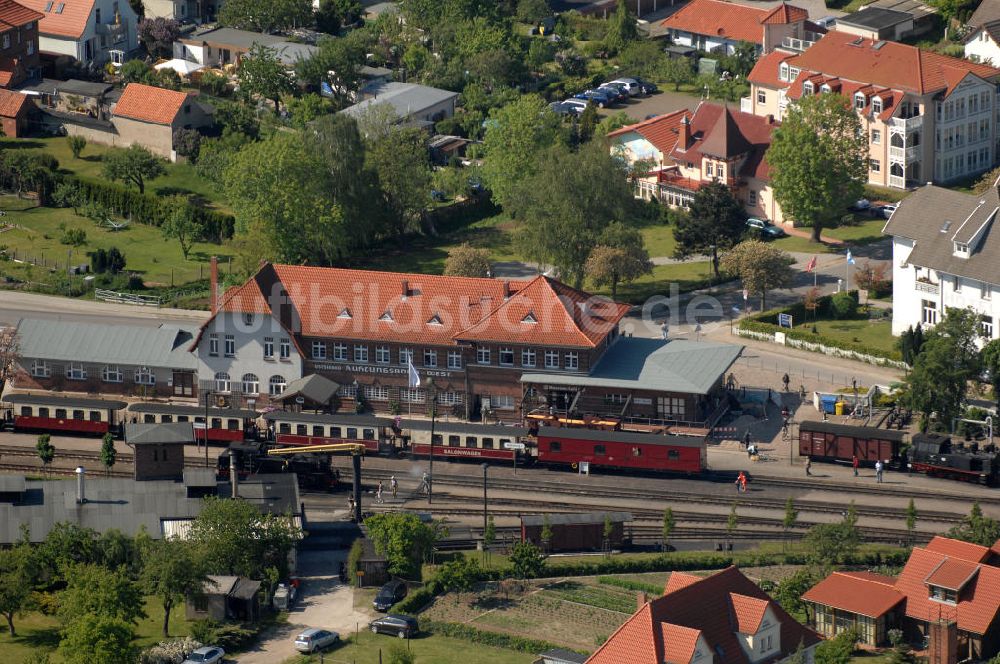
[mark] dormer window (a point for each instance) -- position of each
(783, 71)
(386, 316)
(434, 320)
(345, 313)
(807, 88)
(529, 318)
(876, 105)
(826, 88)
(961, 249)
(859, 101)
(941, 594)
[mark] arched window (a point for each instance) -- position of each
(222, 382)
(251, 384)
(276, 385)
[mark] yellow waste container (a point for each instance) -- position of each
(838, 408)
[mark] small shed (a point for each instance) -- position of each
(316, 393)
(373, 568)
(576, 531)
(560, 656)
(14, 110)
(226, 598)
(159, 449)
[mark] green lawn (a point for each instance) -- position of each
(146, 251)
(367, 647)
(39, 632)
(659, 240)
(874, 334)
(689, 275)
(866, 232)
(179, 179)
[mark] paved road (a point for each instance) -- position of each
(15, 305)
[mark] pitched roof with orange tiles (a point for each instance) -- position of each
(959, 549)
(14, 14)
(765, 71)
(62, 18)
(884, 63)
(678, 580)
(707, 606)
(13, 103)
(784, 14)
(679, 643)
(868, 596)
(661, 131)
(749, 612)
(148, 103)
(721, 132)
(718, 18)
(952, 574)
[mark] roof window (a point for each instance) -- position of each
(345, 313)
(60, 7)
(434, 320)
(529, 318)
(48, 6)
(386, 315)
(945, 226)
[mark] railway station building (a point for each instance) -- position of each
(946, 594)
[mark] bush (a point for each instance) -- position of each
(214, 84)
(111, 261)
(74, 237)
(169, 652)
(353, 558)
(226, 635)
(187, 142)
(843, 305)
(630, 584)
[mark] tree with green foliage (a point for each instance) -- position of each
(667, 528)
(400, 158)
(108, 453)
(911, 521)
(234, 537)
(740, 61)
(819, 161)
(97, 639)
(901, 653)
(261, 73)
(45, 450)
(546, 534)
(527, 561)
(948, 360)
(136, 71)
(677, 71)
(976, 528)
(459, 574)
(306, 108)
(180, 224)
(622, 29)
(910, 343)
(619, 257)
(790, 590)
(267, 16)
(760, 266)
(238, 120)
(399, 654)
(65, 546)
(833, 543)
(533, 11)
(715, 221)
(991, 366)
(837, 650)
(17, 574)
(468, 261)
(489, 537)
(515, 136)
(332, 15)
(134, 165)
(76, 144)
(172, 571)
(336, 62)
(566, 205)
(93, 589)
(588, 122)
(403, 539)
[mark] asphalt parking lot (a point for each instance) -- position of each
(638, 108)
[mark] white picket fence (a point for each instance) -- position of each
(127, 298)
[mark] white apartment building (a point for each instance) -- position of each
(945, 254)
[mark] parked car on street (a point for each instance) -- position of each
(395, 625)
(206, 655)
(765, 228)
(389, 594)
(314, 639)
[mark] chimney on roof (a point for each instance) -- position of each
(943, 641)
(406, 289)
(81, 494)
(213, 286)
(769, 118)
(641, 600)
(685, 137)
(506, 290)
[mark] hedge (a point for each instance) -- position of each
(150, 210)
(487, 638)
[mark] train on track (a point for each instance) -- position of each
(935, 455)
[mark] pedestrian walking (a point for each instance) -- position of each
(741, 481)
(809, 465)
(746, 439)
(393, 486)
(878, 471)
(378, 492)
(425, 484)
(855, 463)
(751, 451)
(786, 380)
(350, 503)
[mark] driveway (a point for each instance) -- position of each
(665, 101)
(324, 602)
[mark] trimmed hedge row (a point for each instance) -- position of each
(150, 210)
(487, 638)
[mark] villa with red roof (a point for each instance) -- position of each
(948, 590)
(480, 340)
(724, 618)
(689, 149)
(19, 41)
(928, 117)
(88, 31)
(718, 26)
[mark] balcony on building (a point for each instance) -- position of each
(903, 125)
(927, 286)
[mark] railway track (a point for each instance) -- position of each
(55, 470)
(79, 455)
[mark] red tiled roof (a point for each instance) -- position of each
(245, 298)
(660, 131)
(721, 19)
(13, 103)
(13, 14)
(706, 606)
(678, 580)
(784, 14)
(150, 104)
(744, 134)
(959, 549)
(870, 595)
(546, 311)
(679, 643)
(749, 612)
(848, 89)
(724, 138)
(890, 65)
(765, 71)
(952, 574)
(70, 22)
(978, 603)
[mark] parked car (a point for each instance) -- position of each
(394, 624)
(861, 205)
(826, 22)
(575, 106)
(647, 87)
(632, 86)
(314, 639)
(602, 99)
(765, 228)
(888, 209)
(620, 94)
(389, 594)
(206, 655)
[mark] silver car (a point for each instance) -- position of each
(631, 85)
(206, 655)
(314, 639)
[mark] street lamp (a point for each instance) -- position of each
(432, 391)
(486, 468)
(208, 396)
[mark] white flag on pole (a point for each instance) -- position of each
(414, 377)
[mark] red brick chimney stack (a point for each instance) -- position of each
(685, 137)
